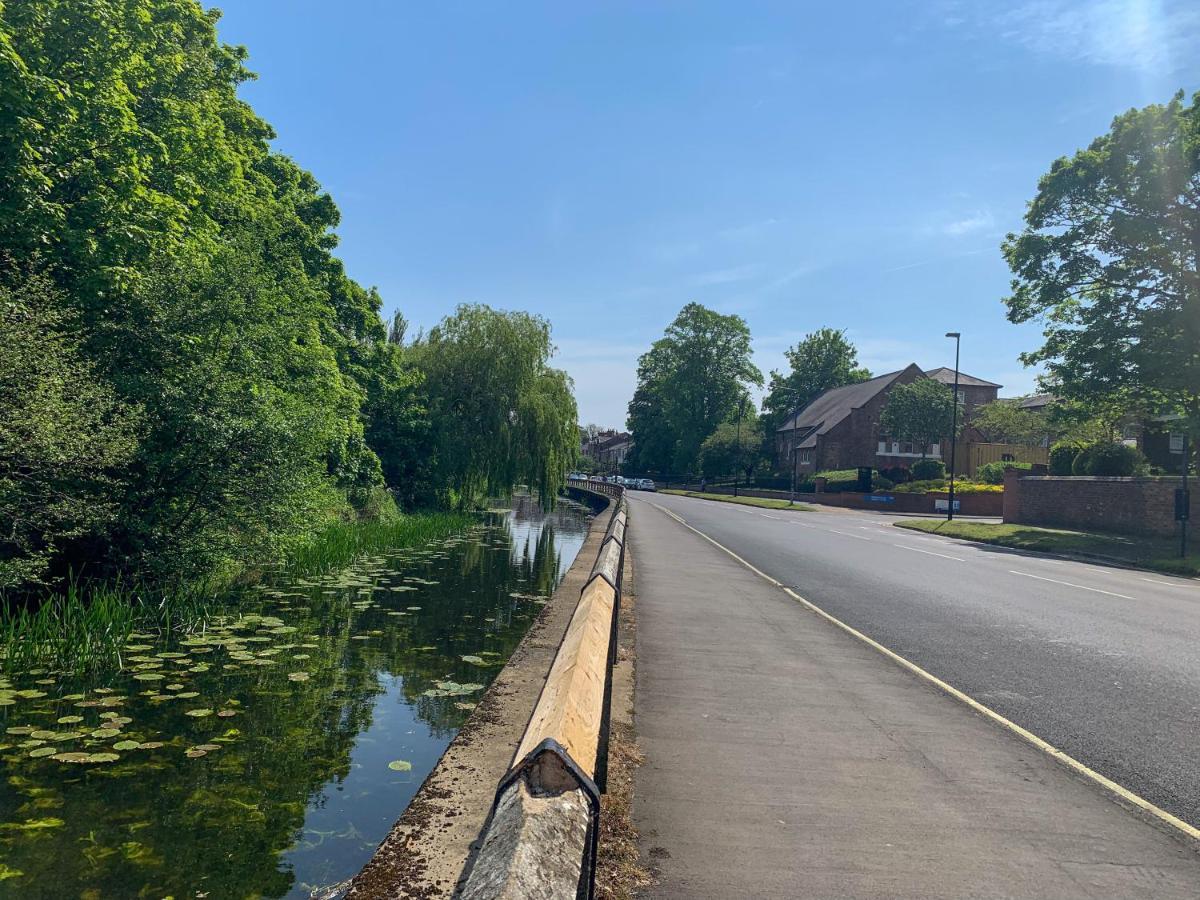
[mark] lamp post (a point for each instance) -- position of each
(953, 422)
(737, 449)
(795, 464)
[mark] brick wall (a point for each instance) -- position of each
(1128, 505)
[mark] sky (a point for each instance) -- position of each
(800, 164)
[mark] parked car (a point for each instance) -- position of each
(646, 484)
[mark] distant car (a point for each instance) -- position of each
(646, 484)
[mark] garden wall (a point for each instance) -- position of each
(1129, 505)
(988, 504)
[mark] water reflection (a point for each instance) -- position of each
(267, 757)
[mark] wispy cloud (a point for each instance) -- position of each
(727, 276)
(939, 259)
(1149, 35)
(976, 221)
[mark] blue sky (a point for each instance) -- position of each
(800, 164)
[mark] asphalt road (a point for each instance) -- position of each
(1101, 662)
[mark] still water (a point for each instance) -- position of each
(269, 756)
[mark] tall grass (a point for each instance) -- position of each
(86, 627)
(340, 543)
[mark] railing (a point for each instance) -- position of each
(541, 838)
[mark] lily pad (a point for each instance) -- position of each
(199, 713)
(400, 765)
(150, 745)
(69, 720)
(103, 757)
(195, 753)
(149, 676)
(42, 751)
(298, 676)
(126, 745)
(106, 732)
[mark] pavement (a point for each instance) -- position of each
(785, 758)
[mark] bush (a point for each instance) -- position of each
(928, 470)
(993, 472)
(879, 483)
(1108, 460)
(896, 474)
(1062, 457)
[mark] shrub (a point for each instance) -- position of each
(1108, 460)
(928, 470)
(993, 472)
(879, 483)
(1062, 457)
(896, 474)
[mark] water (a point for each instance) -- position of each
(271, 755)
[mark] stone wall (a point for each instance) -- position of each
(1128, 505)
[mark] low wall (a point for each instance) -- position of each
(1127, 505)
(540, 840)
(989, 504)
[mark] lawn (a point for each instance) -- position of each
(1159, 554)
(764, 502)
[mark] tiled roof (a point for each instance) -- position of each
(833, 406)
(946, 376)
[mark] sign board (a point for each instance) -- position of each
(881, 498)
(1182, 505)
(940, 505)
(1176, 443)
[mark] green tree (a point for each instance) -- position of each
(500, 415)
(723, 454)
(689, 382)
(822, 360)
(64, 437)
(1108, 262)
(920, 412)
(1004, 421)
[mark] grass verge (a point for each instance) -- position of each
(1156, 554)
(764, 502)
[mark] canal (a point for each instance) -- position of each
(269, 755)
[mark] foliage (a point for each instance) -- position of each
(993, 472)
(1005, 422)
(499, 413)
(689, 382)
(219, 390)
(920, 412)
(927, 469)
(722, 453)
(63, 436)
(961, 486)
(1108, 460)
(1107, 262)
(1062, 457)
(820, 361)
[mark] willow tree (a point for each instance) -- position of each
(499, 413)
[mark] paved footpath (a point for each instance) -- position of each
(784, 758)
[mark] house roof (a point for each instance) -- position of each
(946, 376)
(833, 406)
(1038, 401)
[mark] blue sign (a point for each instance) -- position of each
(881, 498)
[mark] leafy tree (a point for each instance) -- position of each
(822, 360)
(1108, 261)
(722, 453)
(920, 412)
(689, 382)
(63, 436)
(1004, 421)
(499, 413)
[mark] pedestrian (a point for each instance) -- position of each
(703, 484)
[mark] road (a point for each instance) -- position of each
(1101, 662)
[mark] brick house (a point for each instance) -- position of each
(840, 429)
(608, 448)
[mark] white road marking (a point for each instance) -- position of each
(776, 518)
(928, 552)
(857, 537)
(1082, 587)
(1167, 583)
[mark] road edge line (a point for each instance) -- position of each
(1012, 727)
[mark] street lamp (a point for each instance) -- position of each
(953, 422)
